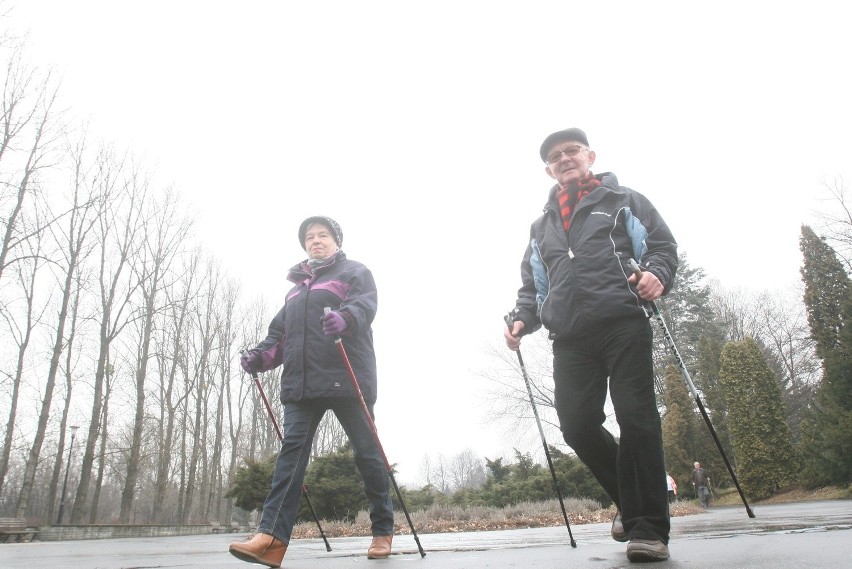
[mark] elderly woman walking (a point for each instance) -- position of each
(314, 380)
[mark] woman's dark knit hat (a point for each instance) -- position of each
(332, 226)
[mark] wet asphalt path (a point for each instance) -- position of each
(784, 536)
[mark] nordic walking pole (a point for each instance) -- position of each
(634, 266)
(509, 323)
(372, 424)
(281, 440)
(314, 514)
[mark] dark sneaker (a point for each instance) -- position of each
(644, 550)
(617, 530)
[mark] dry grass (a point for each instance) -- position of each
(802, 495)
(442, 519)
(795, 494)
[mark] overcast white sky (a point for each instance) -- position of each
(417, 127)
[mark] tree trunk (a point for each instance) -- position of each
(193, 462)
(22, 341)
(63, 425)
(44, 415)
(183, 460)
(96, 494)
(133, 461)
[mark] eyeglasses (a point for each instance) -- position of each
(568, 151)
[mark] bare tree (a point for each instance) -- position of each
(29, 135)
(778, 323)
(20, 328)
(164, 235)
(734, 308)
(29, 128)
(426, 470)
(70, 355)
(441, 474)
(467, 470)
(463, 470)
(183, 457)
(99, 478)
(261, 432)
(175, 337)
(226, 353)
(234, 340)
(787, 337)
(122, 198)
(509, 399)
(836, 220)
(73, 245)
(208, 339)
(330, 436)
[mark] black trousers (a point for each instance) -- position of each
(631, 470)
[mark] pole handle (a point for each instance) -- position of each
(634, 266)
(244, 352)
(326, 310)
(508, 320)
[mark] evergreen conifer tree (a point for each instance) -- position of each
(766, 456)
(826, 441)
(336, 487)
(707, 381)
(827, 289)
(680, 429)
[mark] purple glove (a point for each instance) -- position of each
(333, 324)
(252, 363)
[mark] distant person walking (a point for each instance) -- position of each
(671, 487)
(701, 483)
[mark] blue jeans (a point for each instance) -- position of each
(301, 419)
(632, 470)
(704, 495)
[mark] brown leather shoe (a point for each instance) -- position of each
(262, 548)
(617, 530)
(380, 548)
(644, 550)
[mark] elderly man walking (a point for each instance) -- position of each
(577, 283)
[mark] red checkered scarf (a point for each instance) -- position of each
(569, 197)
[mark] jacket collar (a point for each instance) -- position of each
(298, 273)
(609, 183)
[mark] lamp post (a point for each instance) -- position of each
(65, 483)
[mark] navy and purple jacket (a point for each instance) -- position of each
(312, 366)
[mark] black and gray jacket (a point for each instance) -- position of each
(312, 365)
(578, 280)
